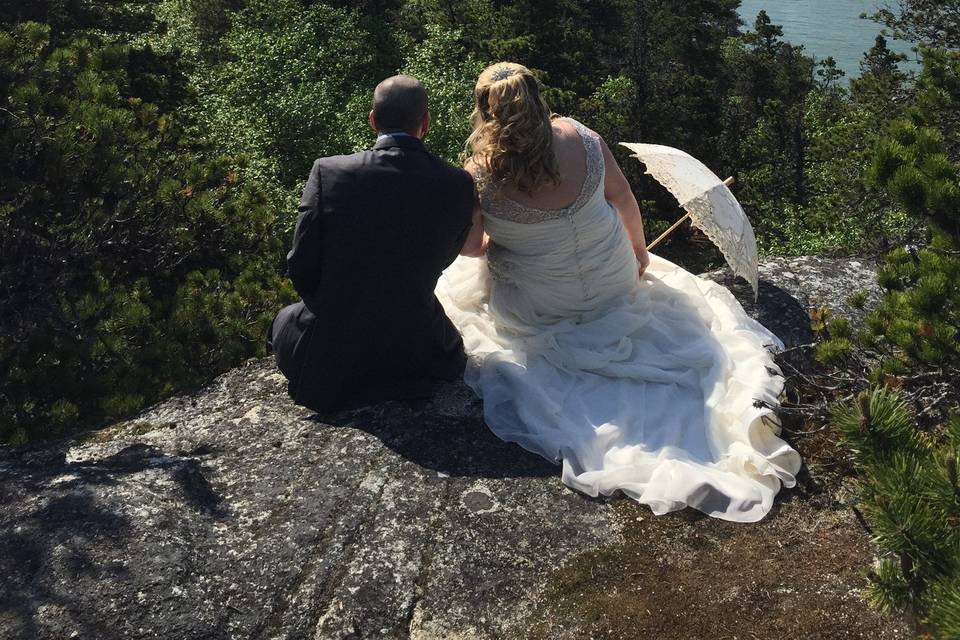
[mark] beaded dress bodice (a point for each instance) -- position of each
(550, 265)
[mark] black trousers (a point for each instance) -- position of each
(288, 339)
(325, 379)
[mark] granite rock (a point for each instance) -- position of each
(232, 513)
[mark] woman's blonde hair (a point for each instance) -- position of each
(512, 140)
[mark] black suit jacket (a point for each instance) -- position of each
(374, 231)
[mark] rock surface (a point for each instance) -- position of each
(232, 513)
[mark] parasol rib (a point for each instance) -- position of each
(728, 182)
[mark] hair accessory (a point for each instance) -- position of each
(502, 73)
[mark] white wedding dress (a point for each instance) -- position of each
(646, 385)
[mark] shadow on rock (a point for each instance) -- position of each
(775, 308)
(186, 472)
(67, 527)
(48, 551)
(456, 446)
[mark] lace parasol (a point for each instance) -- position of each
(708, 202)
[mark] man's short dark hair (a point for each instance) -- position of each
(399, 104)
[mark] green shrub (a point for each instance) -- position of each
(130, 266)
(857, 299)
(911, 498)
(909, 489)
(833, 350)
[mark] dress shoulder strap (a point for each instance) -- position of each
(594, 157)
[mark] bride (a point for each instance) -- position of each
(586, 349)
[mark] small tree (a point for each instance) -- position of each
(919, 319)
(911, 497)
(908, 474)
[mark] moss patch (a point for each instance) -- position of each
(797, 574)
(126, 428)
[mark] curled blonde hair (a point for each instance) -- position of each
(512, 140)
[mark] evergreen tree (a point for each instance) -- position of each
(932, 22)
(881, 82)
(910, 495)
(67, 18)
(764, 134)
(129, 266)
(920, 317)
(844, 209)
(908, 476)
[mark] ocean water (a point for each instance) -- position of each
(825, 28)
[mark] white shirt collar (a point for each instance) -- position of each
(393, 134)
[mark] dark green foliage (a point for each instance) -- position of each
(833, 350)
(128, 265)
(933, 22)
(879, 425)
(945, 606)
(448, 71)
(565, 41)
(911, 498)
(881, 78)
(835, 345)
(294, 85)
(797, 143)
(66, 18)
(773, 79)
(908, 474)
(857, 299)
(920, 316)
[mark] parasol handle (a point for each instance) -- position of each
(729, 181)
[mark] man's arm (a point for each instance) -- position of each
(303, 260)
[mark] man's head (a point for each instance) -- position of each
(400, 104)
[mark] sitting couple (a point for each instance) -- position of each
(632, 373)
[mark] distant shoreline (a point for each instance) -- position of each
(826, 28)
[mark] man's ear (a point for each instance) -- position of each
(373, 123)
(424, 125)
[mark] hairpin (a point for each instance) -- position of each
(502, 73)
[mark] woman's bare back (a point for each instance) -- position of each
(572, 160)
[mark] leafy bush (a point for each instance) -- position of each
(295, 85)
(128, 266)
(449, 73)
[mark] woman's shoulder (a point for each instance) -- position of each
(578, 127)
(481, 180)
(579, 135)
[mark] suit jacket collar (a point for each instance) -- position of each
(404, 142)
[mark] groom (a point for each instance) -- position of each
(374, 231)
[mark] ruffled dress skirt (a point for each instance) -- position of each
(661, 387)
